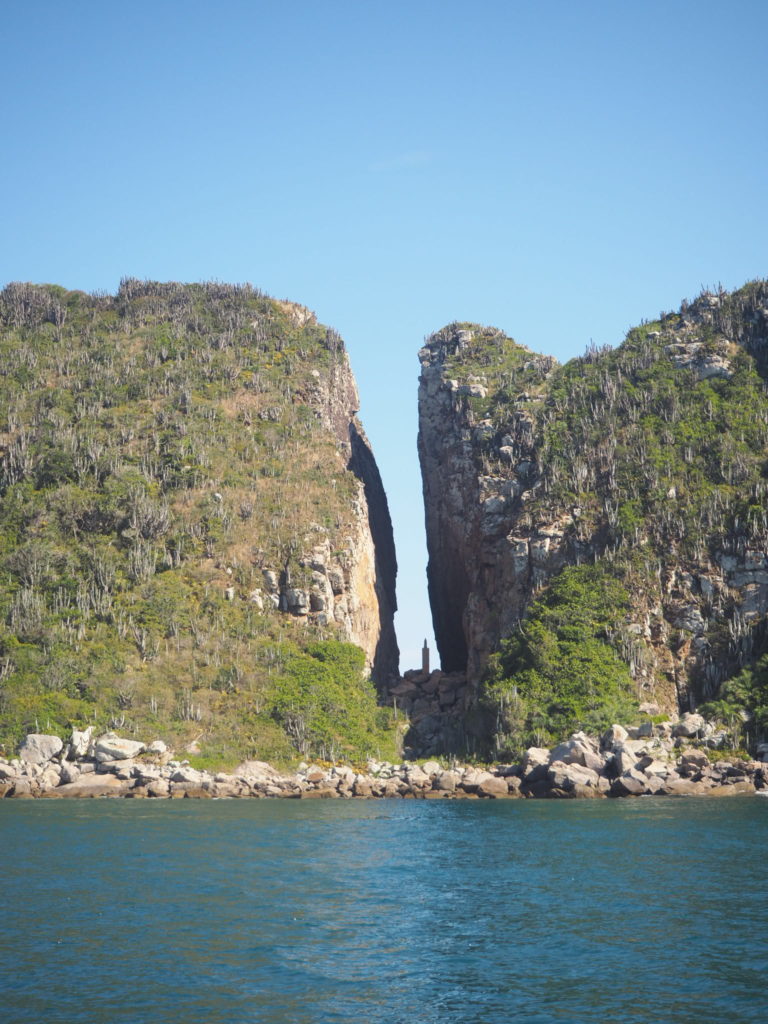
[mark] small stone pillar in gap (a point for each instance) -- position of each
(425, 658)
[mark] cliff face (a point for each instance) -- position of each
(480, 573)
(188, 508)
(358, 583)
(648, 459)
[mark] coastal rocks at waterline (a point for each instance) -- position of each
(619, 764)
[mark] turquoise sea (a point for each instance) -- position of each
(399, 912)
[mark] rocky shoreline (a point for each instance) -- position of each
(657, 760)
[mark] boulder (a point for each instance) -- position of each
(493, 787)
(186, 774)
(689, 725)
(630, 783)
(624, 759)
(613, 736)
(91, 785)
(431, 768)
(447, 781)
(472, 778)
(585, 739)
(38, 748)
(596, 761)
(534, 763)
(694, 759)
(69, 773)
(7, 771)
(157, 747)
(49, 777)
(22, 790)
(158, 788)
(638, 747)
(226, 790)
(570, 752)
(104, 767)
(416, 777)
(738, 788)
(685, 787)
(653, 768)
(587, 792)
(79, 743)
(567, 776)
(190, 791)
(111, 747)
(258, 772)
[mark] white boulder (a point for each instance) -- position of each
(80, 742)
(111, 747)
(38, 748)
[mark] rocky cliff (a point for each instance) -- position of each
(192, 522)
(648, 461)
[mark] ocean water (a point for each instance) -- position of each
(399, 912)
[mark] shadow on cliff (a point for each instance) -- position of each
(386, 660)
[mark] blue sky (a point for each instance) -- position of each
(558, 169)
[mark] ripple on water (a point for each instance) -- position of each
(386, 912)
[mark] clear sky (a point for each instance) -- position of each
(560, 169)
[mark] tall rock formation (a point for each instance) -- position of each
(365, 603)
(188, 508)
(649, 459)
(479, 575)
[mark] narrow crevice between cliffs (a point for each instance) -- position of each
(386, 660)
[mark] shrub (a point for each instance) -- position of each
(560, 671)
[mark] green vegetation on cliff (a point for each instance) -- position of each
(560, 672)
(174, 461)
(742, 704)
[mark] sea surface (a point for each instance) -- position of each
(399, 912)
